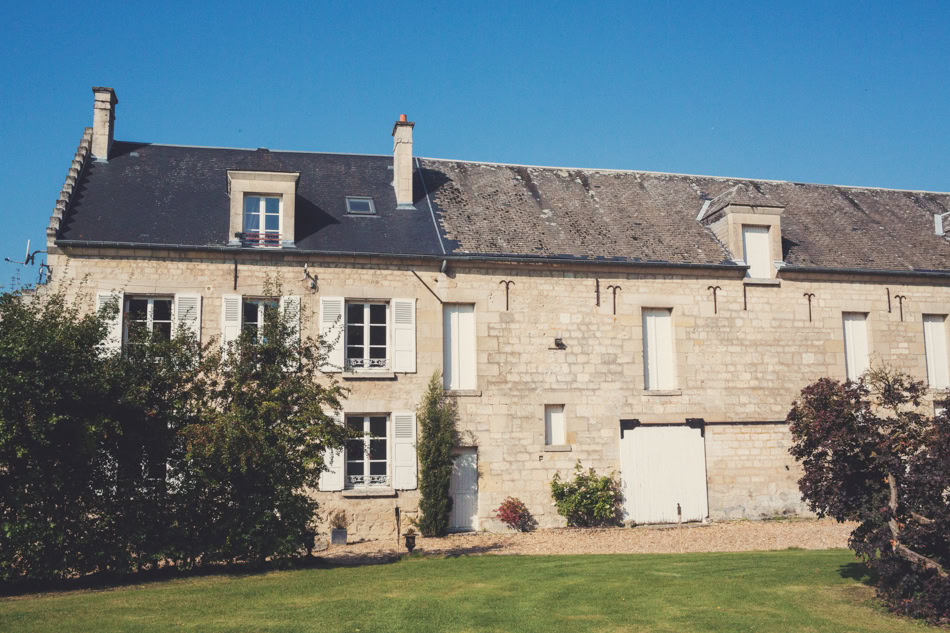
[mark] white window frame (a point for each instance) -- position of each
(150, 315)
(262, 241)
(757, 269)
(655, 360)
(368, 480)
(856, 362)
(935, 350)
(369, 199)
(262, 303)
(367, 364)
(555, 414)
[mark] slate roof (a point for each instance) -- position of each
(169, 195)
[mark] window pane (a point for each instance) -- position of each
(354, 352)
(377, 314)
(377, 426)
(137, 331)
(377, 335)
(354, 313)
(138, 309)
(354, 468)
(250, 312)
(355, 424)
(377, 468)
(354, 335)
(272, 205)
(355, 450)
(163, 330)
(377, 449)
(252, 204)
(358, 205)
(377, 352)
(272, 222)
(162, 310)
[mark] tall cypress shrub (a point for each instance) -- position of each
(438, 435)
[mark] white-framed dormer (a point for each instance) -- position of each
(262, 208)
(749, 225)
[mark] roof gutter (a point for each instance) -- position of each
(231, 250)
(870, 272)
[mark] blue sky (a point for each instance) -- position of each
(845, 93)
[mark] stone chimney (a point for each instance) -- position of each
(402, 162)
(103, 122)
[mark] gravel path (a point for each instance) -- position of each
(729, 536)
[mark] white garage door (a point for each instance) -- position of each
(463, 486)
(662, 466)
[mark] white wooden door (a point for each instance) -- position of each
(662, 466)
(463, 486)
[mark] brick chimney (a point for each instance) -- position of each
(402, 162)
(103, 122)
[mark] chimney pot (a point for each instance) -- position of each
(103, 121)
(402, 118)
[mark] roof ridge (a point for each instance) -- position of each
(672, 173)
(254, 149)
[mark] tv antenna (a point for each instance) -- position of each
(29, 259)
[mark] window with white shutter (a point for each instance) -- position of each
(404, 450)
(231, 306)
(145, 317)
(555, 431)
(458, 346)
(188, 314)
(113, 339)
(658, 360)
(331, 334)
(332, 478)
(367, 456)
(404, 335)
(755, 247)
(857, 358)
(935, 348)
(290, 312)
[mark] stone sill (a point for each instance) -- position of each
(368, 375)
(360, 493)
(761, 282)
(557, 448)
(464, 393)
(662, 392)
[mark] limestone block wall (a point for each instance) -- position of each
(738, 363)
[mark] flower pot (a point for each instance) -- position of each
(410, 542)
(338, 537)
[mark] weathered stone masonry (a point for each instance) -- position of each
(739, 368)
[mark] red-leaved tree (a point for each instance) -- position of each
(871, 455)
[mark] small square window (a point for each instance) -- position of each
(357, 205)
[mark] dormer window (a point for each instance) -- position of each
(262, 208)
(261, 221)
(360, 205)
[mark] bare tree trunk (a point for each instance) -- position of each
(899, 547)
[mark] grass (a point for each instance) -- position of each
(800, 591)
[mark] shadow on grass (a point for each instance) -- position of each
(860, 572)
(104, 580)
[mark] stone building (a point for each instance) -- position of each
(656, 325)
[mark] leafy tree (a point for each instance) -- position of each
(438, 435)
(589, 500)
(869, 455)
(53, 428)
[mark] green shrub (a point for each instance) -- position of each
(589, 500)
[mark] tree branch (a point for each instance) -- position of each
(899, 547)
(922, 519)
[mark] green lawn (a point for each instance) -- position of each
(762, 591)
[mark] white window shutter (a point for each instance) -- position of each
(188, 314)
(404, 335)
(935, 348)
(856, 354)
(331, 331)
(755, 249)
(332, 479)
(230, 318)
(659, 368)
(290, 311)
(113, 340)
(404, 450)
